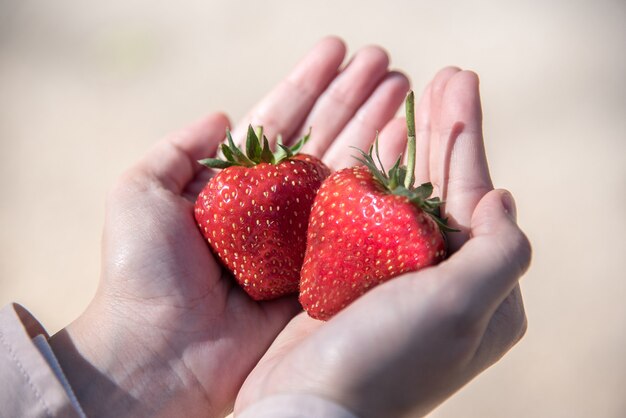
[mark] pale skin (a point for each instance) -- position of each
(169, 333)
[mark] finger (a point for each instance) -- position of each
(372, 116)
(172, 163)
(487, 268)
(438, 87)
(343, 98)
(392, 141)
(422, 137)
(283, 110)
(463, 165)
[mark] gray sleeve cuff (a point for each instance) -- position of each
(46, 351)
(30, 388)
(296, 406)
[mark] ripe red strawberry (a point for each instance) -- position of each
(254, 213)
(366, 227)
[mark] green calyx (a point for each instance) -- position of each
(257, 151)
(399, 179)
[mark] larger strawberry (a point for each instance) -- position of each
(366, 227)
(254, 213)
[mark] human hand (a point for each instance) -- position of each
(168, 333)
(407, 345)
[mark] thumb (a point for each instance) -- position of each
(487, 268)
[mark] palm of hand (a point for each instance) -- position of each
(170, 290)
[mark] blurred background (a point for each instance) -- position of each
(87, 87)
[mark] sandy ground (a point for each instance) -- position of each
(87, 87)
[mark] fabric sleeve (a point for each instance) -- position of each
(30, 387)
(295, 406)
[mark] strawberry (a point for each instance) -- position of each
(366, 227)
(255, 212)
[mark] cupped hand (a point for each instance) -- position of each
(168, 332)
(407, 345)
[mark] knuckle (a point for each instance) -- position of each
(509, 324)
(131, 182)
(522, 252)
(513, 251)
(341, 97)
(521, 329)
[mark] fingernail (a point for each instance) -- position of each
(509, 205)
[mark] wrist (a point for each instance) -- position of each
(115, 372)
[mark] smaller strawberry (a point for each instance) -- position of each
(254, 213)
(366, 227)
